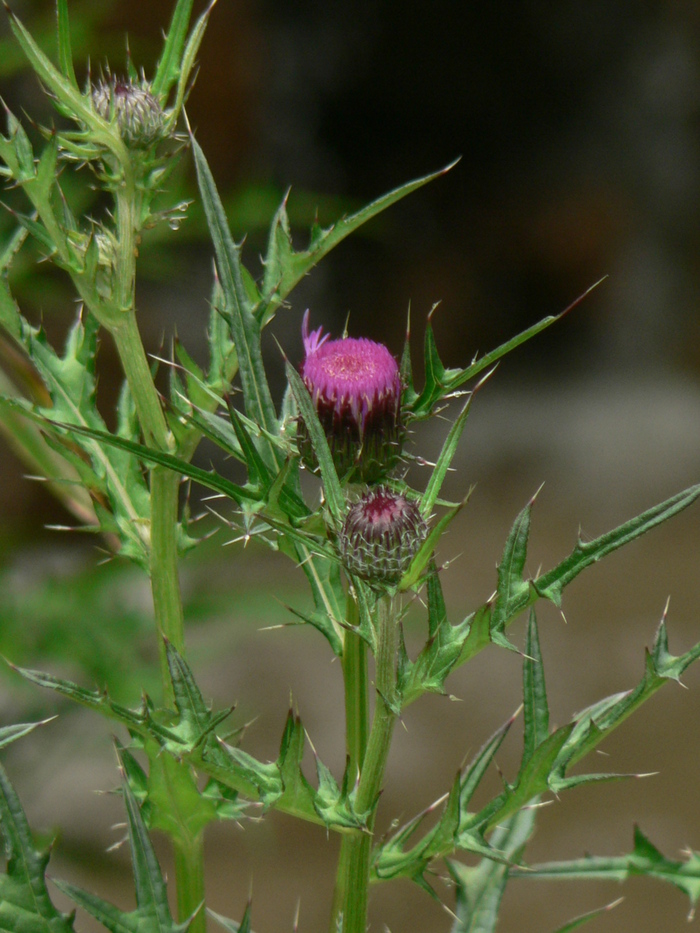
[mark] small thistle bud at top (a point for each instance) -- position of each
(355, 385)
(137, 113)
(381, 535)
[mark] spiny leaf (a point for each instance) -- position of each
(176, 805)
(168, 68)
(152, 914)
(65, 54)
(455, 829)
(66, 93)
(535, 706)
(645, 860)
(10, 734)
(552, 583)
(230, 925)
(284, 267)
(599, 720)
(585, 918)
(512, 590)
(426, 551)
(25, 904)
(480, 889)
(245, 328)
(449, 449)
(441, 383)
(331, 483)
(209, 478)
(189, 58)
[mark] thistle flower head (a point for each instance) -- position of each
(133, 107)
(355, 385)
(381, 535)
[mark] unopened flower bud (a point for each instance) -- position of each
(135, 110)
(355, 385)
(381, 535)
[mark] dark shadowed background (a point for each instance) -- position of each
(578, 128)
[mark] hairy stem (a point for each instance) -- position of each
(352, 884)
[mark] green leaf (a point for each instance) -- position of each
(449, 449)
(176, 805)
(475, 771)
(10, 734)
(244, 327)
(189, 58)
(595, 723)
(331, 484)
(512, 591)
(434, 388)
(152, 914)
(584, 918)
(209, 478)
(97, 700)
(66, 93)
(297, 793)
(333, 803)
(532, 781)
(195, 719)
(284, 267)
(168, 68)
(427, 549)
(519, 596)
(25, 904)
(535, 706)
(440, 653)
(480, 889)
(66, 393)
(552, 583)
(441, 383)
(65, 54)
(455, 829)
(644, 860)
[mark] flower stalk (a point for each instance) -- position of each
(352, 880)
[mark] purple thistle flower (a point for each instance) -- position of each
(381, 535)
(355, 385)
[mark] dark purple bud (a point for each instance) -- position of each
(135, 110)
(381, 535)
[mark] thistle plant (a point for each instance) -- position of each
(363, 538)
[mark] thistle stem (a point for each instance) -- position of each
(189, 871)
(164, 488)
(352, 883)
(134, 362)
(165, 583)
(165, 579)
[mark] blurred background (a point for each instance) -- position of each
(578, 128)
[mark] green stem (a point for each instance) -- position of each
(138, 374)
(165, 581)
(127, 211)
(356, 694)
(356, 738)
(352, 884)
(164, 489)
(164, 570)
(189, 871)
